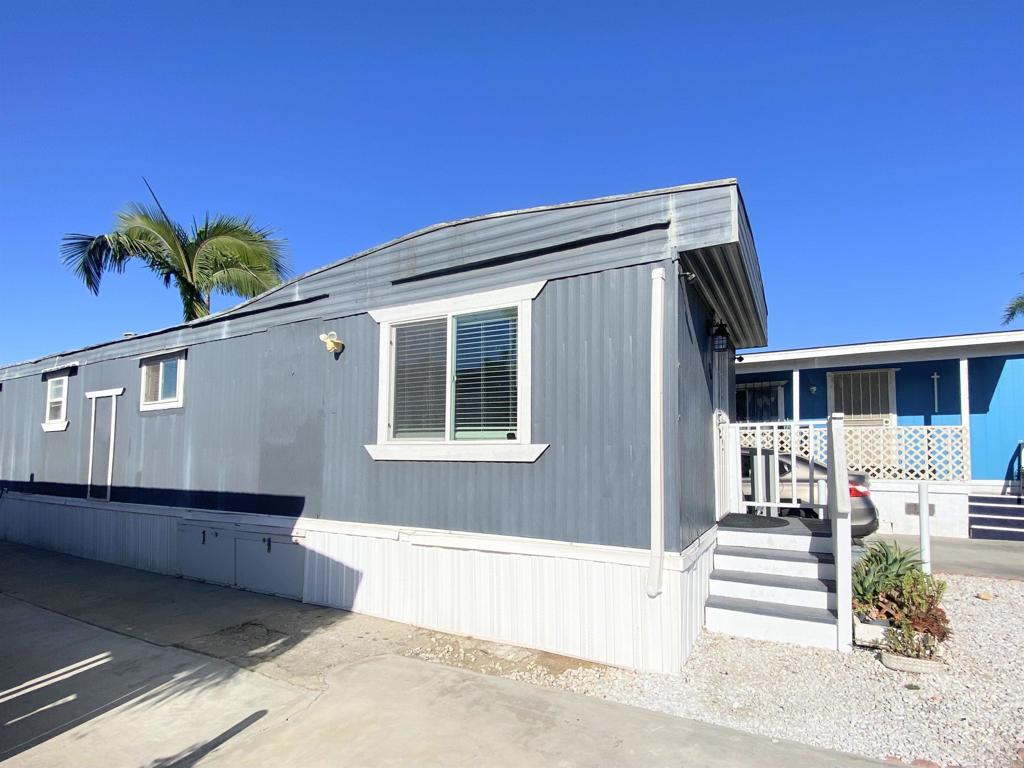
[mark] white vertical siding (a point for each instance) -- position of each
(591, 609)
(92, 530)
(579, 600)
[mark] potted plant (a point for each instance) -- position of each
(896, 608)
(918, 624)
(876, 573)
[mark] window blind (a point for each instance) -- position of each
(486, 401)
(420, 371)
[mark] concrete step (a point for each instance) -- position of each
(794, 538)
(777, 562)
(759, 620)
(995, 532)
(768, 588)
(992, 498)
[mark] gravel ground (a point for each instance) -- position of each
(970, 715)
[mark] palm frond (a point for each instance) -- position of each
(235, 257)
(1014, 310)
(166, 241)
(89, 256)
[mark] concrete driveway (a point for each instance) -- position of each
(106, 666)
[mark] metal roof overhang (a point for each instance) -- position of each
(721, 278)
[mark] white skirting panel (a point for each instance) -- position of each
(579, 600)
(572, 604)
(91, 529)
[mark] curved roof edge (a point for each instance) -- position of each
(226, 313)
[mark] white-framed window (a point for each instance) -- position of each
(55, 416)
(454, 379)
(163, 381)
(867, 398)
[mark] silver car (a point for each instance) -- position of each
(863, 512)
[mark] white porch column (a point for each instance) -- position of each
(965, 415)
(965, 395)
(796, 394)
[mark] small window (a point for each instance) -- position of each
(55, 417)
(163, 382)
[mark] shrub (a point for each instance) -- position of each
(878, 571)
(915, 601)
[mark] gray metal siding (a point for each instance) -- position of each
(691, 459)
(272, 423)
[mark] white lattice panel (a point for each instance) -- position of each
(884, 453)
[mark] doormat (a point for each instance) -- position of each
(752, 521)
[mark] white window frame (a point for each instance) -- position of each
(59, 424)
(157, 358)
(522, 449)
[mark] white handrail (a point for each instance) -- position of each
(839, 512)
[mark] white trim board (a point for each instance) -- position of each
(901, 350)
(425, 537)
(522, 449)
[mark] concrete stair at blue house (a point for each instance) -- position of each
(996, 516)
(775, 583)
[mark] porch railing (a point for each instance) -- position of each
(839, 514)
(934, 453)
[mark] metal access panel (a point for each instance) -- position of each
(269, 563)
(206, 553)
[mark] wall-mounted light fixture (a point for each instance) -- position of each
(720, 341)
(332, 342)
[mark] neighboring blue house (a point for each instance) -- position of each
(946, 408)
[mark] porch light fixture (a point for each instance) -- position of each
(720, 338)
(332, 342)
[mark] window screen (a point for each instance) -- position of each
(485, 395)
(420, 373)
(863, 395)
(152, 393)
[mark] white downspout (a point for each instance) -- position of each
(657, 432)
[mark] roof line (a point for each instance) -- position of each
(230, 311)
(893, 345)
(483, 217)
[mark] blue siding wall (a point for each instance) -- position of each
(997, 414)
(997, 402)
(915, 397)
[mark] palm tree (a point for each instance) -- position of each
(1014, 309)
(223, 254)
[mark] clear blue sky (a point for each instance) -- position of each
(880, 148)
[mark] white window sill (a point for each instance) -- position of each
(456, 451)
(160, 406)
(54, 426)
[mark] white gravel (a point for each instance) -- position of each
(970, 715)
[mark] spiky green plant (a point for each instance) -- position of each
(1014, 309)
(222, 254)
(881, 568)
